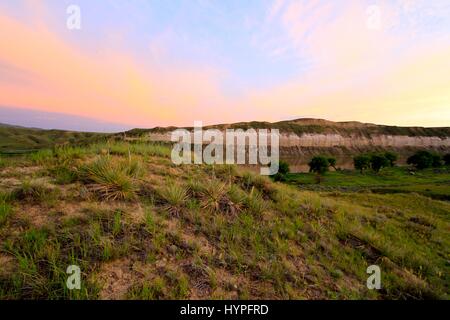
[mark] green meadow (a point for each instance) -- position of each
(432, 182)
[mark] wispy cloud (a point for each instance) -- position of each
(221, 62)
(112, 86)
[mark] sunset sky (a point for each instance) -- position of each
(149, 63)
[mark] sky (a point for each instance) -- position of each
(146, 63)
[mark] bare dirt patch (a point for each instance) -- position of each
(7, 265)
(116, 278)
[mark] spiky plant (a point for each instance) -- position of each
(215, 197)
(175, 197)
(111, 180)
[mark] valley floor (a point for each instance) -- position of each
(434, 183)
(140, 227)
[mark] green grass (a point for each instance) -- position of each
(35, 192)
(5, 212)
(430, 182)
(138, 148)
(142, 228)
(2, 162)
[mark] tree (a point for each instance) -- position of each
(437, 160)
(421, 159)
(361, 162)
(392, 157)
(446, 159)
(319, 165)
(378, 161)
(283, 170)
(332, 162)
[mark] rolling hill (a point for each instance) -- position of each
(16, 139)
(298, 137)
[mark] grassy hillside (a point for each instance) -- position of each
(14, 139)
(140, 227)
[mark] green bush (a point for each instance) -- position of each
(332, 162)
(392, 157)
(283, 170)
(319, 165)
(378, 162)
(437, 161)
(361, 162)
(422, 160)
(446, 159)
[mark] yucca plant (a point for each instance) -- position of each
(132, 168)
(175, 197)
(195, 188)
(111, 180)
(215, 197)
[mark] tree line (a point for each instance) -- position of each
(375, 161)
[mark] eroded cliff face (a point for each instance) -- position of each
(353, 141)
(291, 143)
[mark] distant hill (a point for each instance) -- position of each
(321, 133)
(307, 137)
(16, 139)
(319, 126)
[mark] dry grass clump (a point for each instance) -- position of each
(250, 180)
(34, 192)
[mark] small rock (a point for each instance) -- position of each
(173, 249)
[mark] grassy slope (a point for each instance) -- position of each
(18, 139)
(202, 232)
